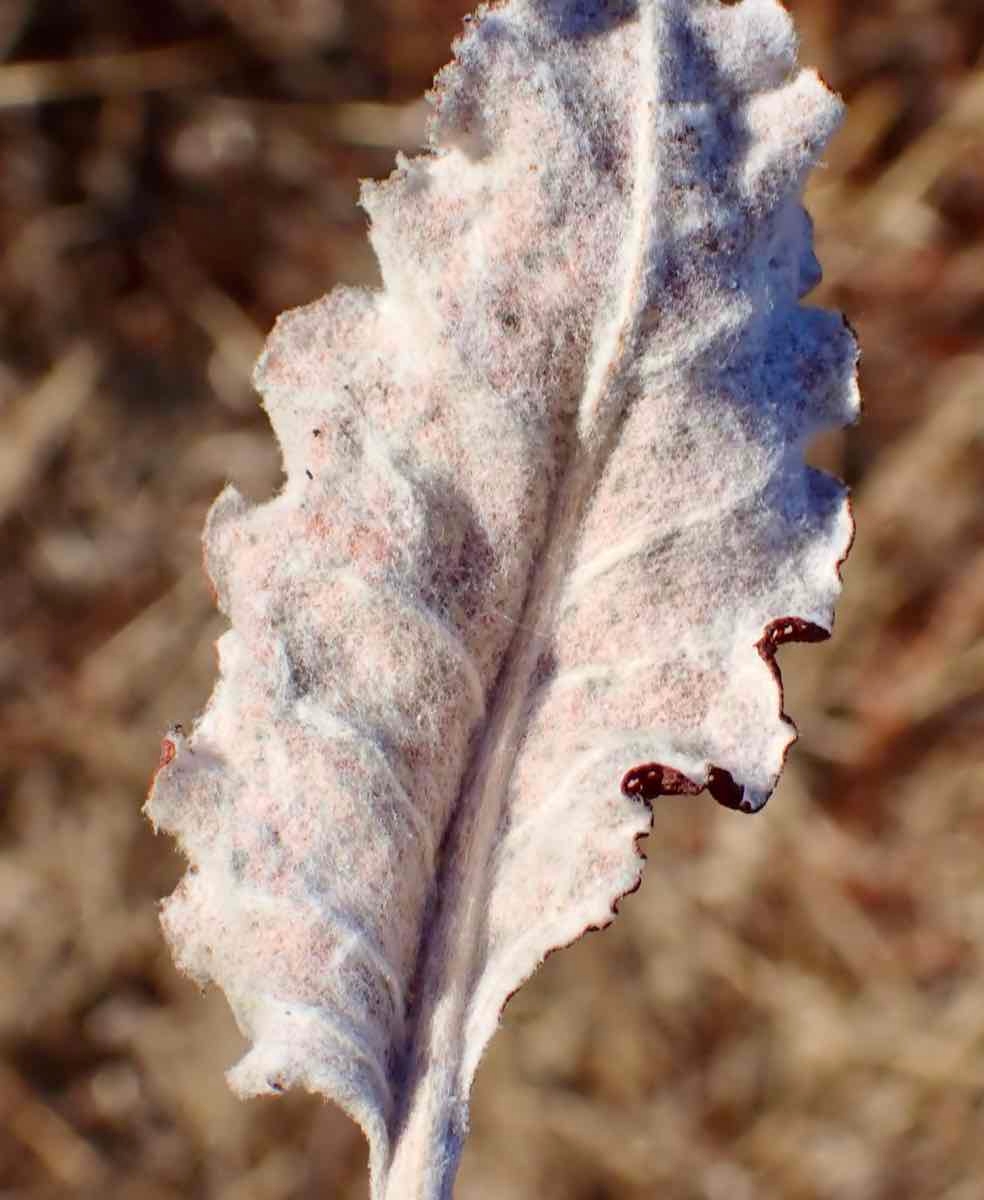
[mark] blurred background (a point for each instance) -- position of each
(792, 1007)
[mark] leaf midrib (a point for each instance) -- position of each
(471, 834)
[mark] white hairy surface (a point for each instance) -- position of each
(546, 517)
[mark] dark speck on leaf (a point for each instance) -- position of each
(237, 860)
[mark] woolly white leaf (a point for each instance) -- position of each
(546, 518)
